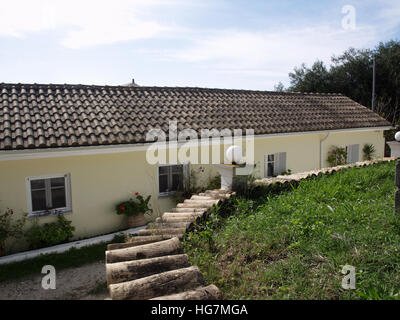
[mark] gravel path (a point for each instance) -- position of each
(80, 283)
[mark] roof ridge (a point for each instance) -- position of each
(141, 88)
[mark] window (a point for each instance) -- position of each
(171, 178)
(274, 164)
(49, 195)
(353, 152)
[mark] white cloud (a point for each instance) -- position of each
(259, 55)
(86, 23)
(271, 53)
(390, 15)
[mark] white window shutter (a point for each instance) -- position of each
(266, 166)
(356, 152)
(276, 164)
(353, 152)
(186, 175)
(282, 161)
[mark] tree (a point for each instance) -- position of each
(351, 74)
(316, 79)
(279, 87)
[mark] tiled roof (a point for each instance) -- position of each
(50, 116)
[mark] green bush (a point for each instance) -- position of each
(191, 186)
(50, 234)
(337, 156)
(133, 207)
(369, 151)
(9, 228)
(214, 183)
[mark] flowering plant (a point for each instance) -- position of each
(134, 206)
(9, 228)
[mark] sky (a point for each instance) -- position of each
(204, 43)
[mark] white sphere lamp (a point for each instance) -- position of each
(234, 154)
(397, 136)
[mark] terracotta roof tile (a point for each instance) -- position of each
(49, 116)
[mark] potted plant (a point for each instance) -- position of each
(135, 209)
(9, 229)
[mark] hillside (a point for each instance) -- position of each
(294, 245)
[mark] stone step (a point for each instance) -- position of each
(138, 241)
(200, 205)
(177, 219)
(146, 251)
(206, 202)
(171, 225)
(153, 232)
(200, 197)
(216, 196)
(219, 191)
(181, 215)
(157, 285)
(136, 269)
(188, 210)
(203, 293)
(153, 266)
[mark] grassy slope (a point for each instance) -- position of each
(293, 246)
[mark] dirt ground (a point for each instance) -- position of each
(83, 283)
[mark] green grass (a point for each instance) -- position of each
(294, 245)
(69, 259)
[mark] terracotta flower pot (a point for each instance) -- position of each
(136, 220)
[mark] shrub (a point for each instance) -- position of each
(245, 185)
(214, 183)
(9, 228)
(134, 206)
(337, 156)
(50, 234)
(368, 151)
(191, 186)
(288, 172)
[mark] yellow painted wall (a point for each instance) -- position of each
(344, 139)
(303, 152)
(99, 182)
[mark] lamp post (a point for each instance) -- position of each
(234, 158)
(397, 194)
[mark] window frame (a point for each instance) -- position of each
(276, 162)
(52, 212)
(267, 163)
(169, 179)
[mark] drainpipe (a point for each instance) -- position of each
(321, 148)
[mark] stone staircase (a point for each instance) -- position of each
(152, 265)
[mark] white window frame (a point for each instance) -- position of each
(185, 170)
(53, 212)
(278, 167)
(267, 162)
